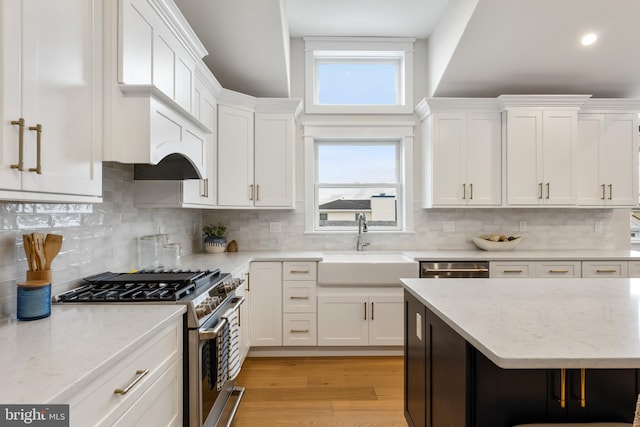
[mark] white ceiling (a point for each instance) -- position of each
(506, 46)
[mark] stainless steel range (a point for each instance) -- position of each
(212, 344)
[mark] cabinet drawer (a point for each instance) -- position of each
(303, 270)
(634, 268)
(558, 269)
(605, 269)
(298, 297)
(99, 404)
(299, 329)
(510, 269)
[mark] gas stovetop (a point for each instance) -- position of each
(140, 286)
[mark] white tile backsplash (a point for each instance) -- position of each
(100, 237)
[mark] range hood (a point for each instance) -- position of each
(173, 167)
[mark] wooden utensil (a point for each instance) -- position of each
(26, 241)
(52, 245)
(38, 240)
(32, 253)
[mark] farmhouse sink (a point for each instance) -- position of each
(365, 268)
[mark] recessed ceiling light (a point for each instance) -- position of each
(589, 39)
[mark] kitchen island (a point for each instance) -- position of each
(499, 352)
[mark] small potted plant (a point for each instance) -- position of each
(214, 240)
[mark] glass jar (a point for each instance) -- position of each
(171, 256)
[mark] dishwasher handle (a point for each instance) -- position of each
(454, 269)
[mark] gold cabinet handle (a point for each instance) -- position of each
(610, 191)
(540, 187)
(250, 191)
(583, 381)
(471, 189)
(612, 270)
(257, 193)
(602, 186)
(372, 310)
(563, 387)
(20, 124)
(558, 271)
(464, 191)
(365, 311)
(299, 331)
(298, 297)
(512, 271)
(299, 271)
(38, 129)
(139, 375)
(248, 282)
(548, 192)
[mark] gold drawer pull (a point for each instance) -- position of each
(139, 375)
(299, 331)
(38, 129)
(612, 270)
(558, 271)
(297, 297)
(583, 381)
(563, 388)
(299, 271)
(20, 124)
(512, 271)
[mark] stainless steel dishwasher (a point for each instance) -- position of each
(454, 269)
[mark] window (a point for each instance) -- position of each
(358, 75)
(352, 170)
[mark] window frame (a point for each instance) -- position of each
(360, 49)
(400, 133)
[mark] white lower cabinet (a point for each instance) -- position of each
(354, 316)
(594, 269)
(299, 324)
(634, 269)
(266, 307)
(547, 269)
(144, 388)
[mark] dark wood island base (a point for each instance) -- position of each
(449, 383)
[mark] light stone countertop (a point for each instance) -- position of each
(44, 361)
(231, 261)
(541, 323)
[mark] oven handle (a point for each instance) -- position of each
(212, 333)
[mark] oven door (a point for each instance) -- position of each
(210, 387)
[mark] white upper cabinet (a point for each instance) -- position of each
(607, 159)
(256, 138)
(151, 96)
(50, 100)
(462, 152)
(540, 148)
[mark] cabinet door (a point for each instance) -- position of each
(266, 306)
(559, 135)
(244, 318)
(161, 404)
(60, 89)
(557, 269)
(342, 320)
(588, 159)
(602, 401)
(449, 158)
(619, 159)
(483, 160)
(605, 269)
(274, 160)
(510, 269)
(523, 157)
(416, 370)
(235, 157)
(385, 320)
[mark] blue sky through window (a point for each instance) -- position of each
(365, 83)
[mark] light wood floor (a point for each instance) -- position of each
(321, 391)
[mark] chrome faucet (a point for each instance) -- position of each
(362, 228)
